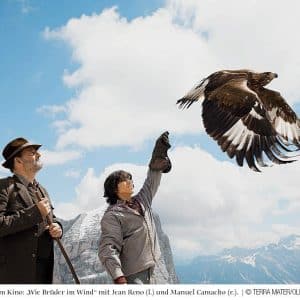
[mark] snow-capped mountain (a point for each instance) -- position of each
(273, 263)
(81, 240)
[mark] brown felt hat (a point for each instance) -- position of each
(14, 147)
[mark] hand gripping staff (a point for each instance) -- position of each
(49, 219)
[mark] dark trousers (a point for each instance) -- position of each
(44, 271)
(142, 277)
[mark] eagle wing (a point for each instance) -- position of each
(195, 94)
(284, 120)
(235, 118)
(208, 84)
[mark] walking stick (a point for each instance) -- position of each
(61, 247)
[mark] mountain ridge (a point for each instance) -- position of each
(271, 263)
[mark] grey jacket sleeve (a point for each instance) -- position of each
(111, 244)
(22, 219)
(150, 186)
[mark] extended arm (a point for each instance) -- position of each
(159, 163)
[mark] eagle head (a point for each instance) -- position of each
(261, 79)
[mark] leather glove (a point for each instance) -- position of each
(120, 280)
(160, 160)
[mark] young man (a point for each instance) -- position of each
(129, 246)
(26, 244)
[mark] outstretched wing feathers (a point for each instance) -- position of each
(242, 129)
(285, 145)
(193, 95)
(185, 102)
(249, 155)
(269, 150)
(281, 115)
(257, 150)
(226, 119)
(240, 155)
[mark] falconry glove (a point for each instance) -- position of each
(160, 160)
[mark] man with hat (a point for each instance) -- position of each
(26, 241)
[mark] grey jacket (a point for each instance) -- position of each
(129, 242)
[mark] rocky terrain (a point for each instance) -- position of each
(81, 239)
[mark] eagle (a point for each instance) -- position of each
(247, 120)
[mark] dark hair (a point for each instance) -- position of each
(111, 185)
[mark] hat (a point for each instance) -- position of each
(14, 147)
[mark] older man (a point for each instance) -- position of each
(26, 240)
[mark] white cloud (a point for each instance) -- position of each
(243, 34)
(59, 157)
(129, 77)
(206, 205)
(130, 81)
(131, 72)
(209, 205)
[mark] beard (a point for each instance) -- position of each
(33, 166)
(38, 165)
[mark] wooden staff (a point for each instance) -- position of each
(49, 219)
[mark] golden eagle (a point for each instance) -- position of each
(247, 120)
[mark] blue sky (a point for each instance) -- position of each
(32, 70)
(96, 82)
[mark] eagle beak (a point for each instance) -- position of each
(275, 75)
